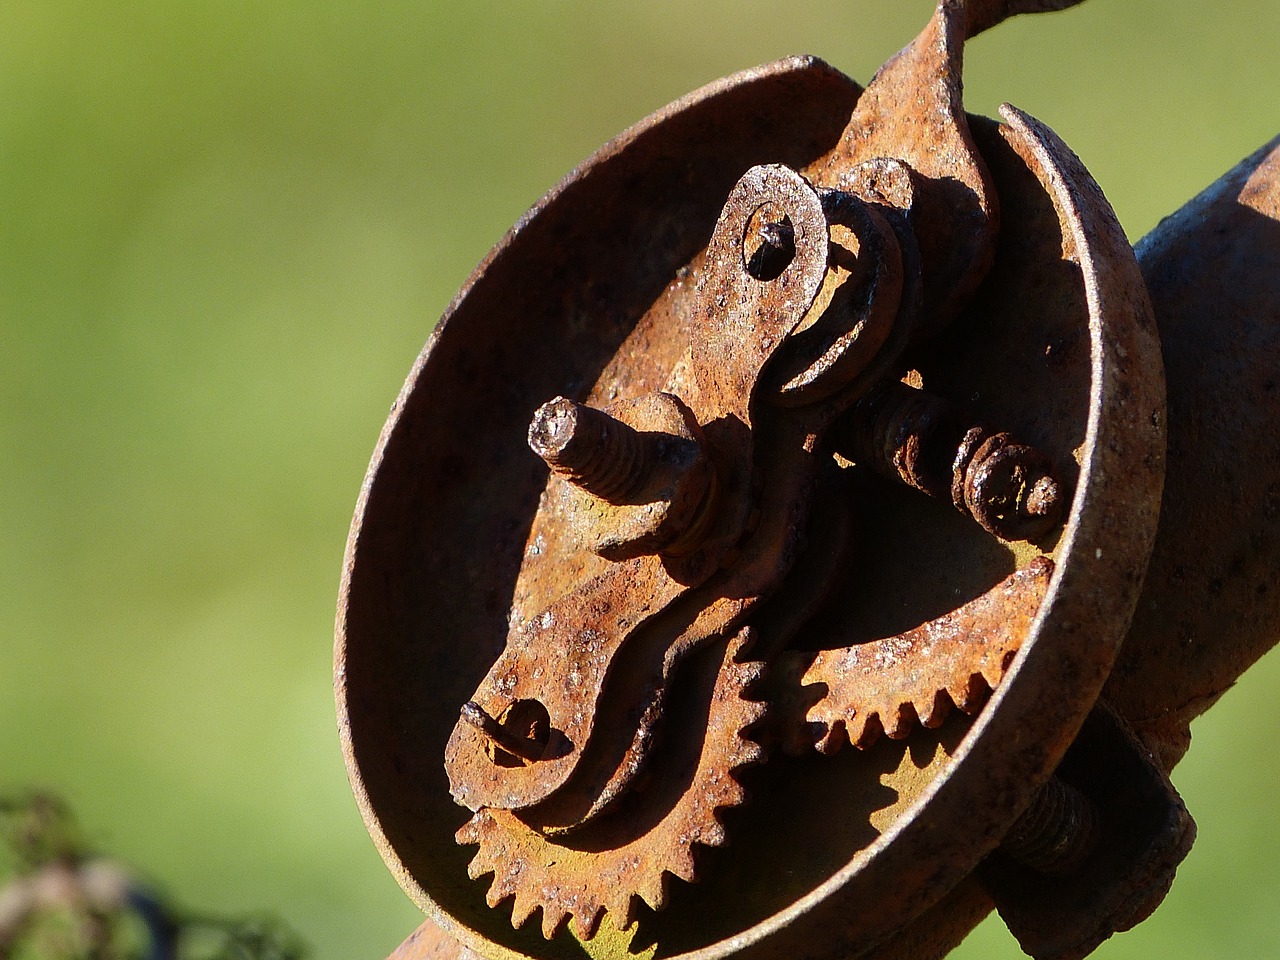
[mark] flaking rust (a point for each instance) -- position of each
(870, 441)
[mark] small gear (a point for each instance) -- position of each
(886, 686)
(654, 830)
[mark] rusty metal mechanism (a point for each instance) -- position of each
(804, 416)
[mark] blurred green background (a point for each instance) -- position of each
(226, 229)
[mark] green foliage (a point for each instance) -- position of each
(36, 830)
(257, 938)
(58, 901)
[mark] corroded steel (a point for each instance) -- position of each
(913, 111)
(887, 686)
(633, 851)
(1212, 606)
(640, 479)
(1057, 833)
(569, 659)
(599, 661)
(919, 439)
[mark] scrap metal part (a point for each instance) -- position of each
(879, 241)
(636, 851)
(888, 686)
(595, 666)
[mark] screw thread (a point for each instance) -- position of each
(1057, 832)
(904, 434)
(591, 449)
(1008, 487)
(914, 437)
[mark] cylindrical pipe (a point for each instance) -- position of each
(1211, 602)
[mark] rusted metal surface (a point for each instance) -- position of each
(1212, 605)
(430, 942)
(597, 664)
(913, 111)
(985, 14)
(1116, 857)
(1057, 833)
(887, 686)
(724, 503)
(442, 536)
(640, 479)
(562, 657)
(906, 434)
(630, 853)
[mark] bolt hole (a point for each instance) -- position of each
(769, 243)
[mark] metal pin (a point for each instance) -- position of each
(504, 739)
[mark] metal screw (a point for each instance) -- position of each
(904, 434)
(914, 437)
(589, 448)
(1008, 487)
(1057, 832)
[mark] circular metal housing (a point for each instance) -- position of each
(589, 295)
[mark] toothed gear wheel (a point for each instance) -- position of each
(631, 852)
(889, 686)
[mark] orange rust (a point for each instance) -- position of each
(889, 685)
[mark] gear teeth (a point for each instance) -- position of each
(933, 713)
(468, 833)
(522, 909)
(900, 722)
(970, 698)
(829, 737)
(621, 908)
(682, 866)
(584, 912)
(916, 678)
(713, 836)
(870, 730)
(554, 920)
(586, 923)
(476, 869)
(862, 730)
(993, 673)
(577, 886)
(503, 888)
(498, 891)
(655, 894)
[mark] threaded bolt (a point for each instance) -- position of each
(904, 434)
(1057, 832)
(916, 438)
(1008, 487)
(589, 448)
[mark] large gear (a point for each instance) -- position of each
(631, 851)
